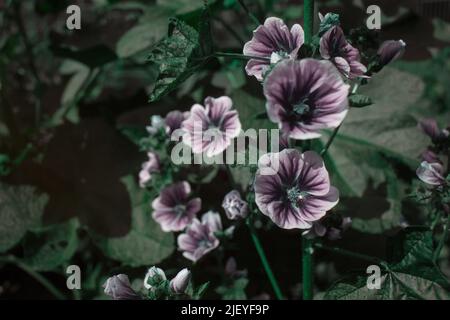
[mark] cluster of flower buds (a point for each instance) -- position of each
(118, 287)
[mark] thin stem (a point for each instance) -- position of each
(307, 268)
(330, 141)
(265, 263)
(308, 20)
(351, 254)
(441, 243)
(247, 11)
(30, 57)
(37, 276)
(230, 30)
(239, 56)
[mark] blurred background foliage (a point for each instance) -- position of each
(74, 103)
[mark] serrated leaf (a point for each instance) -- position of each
(410, 275)
(145, 244)
(51, 247)
(21, 209)
(178, 56)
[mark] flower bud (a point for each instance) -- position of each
(180, 283)
(119, 288)
(157, 122)
(390, 50)
(154, 277)
(234, 206)
(431, 173)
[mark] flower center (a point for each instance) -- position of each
(302, 110)
(295, 195)
(179, 209)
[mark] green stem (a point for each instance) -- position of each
(308, 24)
(264, 261)
(352, 254)
(37, 276)
(238, 56)
(230, 30)
(441, 243)
(307, 268)
(330, 141)
(307, 244)
(247, 11)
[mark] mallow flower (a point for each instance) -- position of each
(118, 287)
(390, 51)
(235, 208)
(431, 173)
(180, 283)
(172, 209)
(298, 193)
(199, 237)
(305, 96)
(212, 127)
(151, 166)
(334, 47)
(174, 119)
(272, 41)
(154, 277)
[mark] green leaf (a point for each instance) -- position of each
(51, 247)
(145, 244)
(392, 217)
(387, 128)
(359, 101)
(441, 30)
(182, 6)
(21, 209)
(134, 133)
(410, 275)
(235, 291)
(178, 56)
(250, 109)
(388, 125)
(152, 27)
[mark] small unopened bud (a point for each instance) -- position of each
(180, 283)
(119, 288)
(390, 50)
(154, 277)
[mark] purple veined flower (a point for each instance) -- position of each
(199, 237)
(334, 47)
(151, 166)
(172, 209)
(305, 96)
(430, 157)
(180, 283)
(390, 51)
(235, 208)
(154, 277)
(431, 173)
(274, 41)
(299, 193)
(174, 119)
(118, 287)
(210, 129)
(431, 129)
